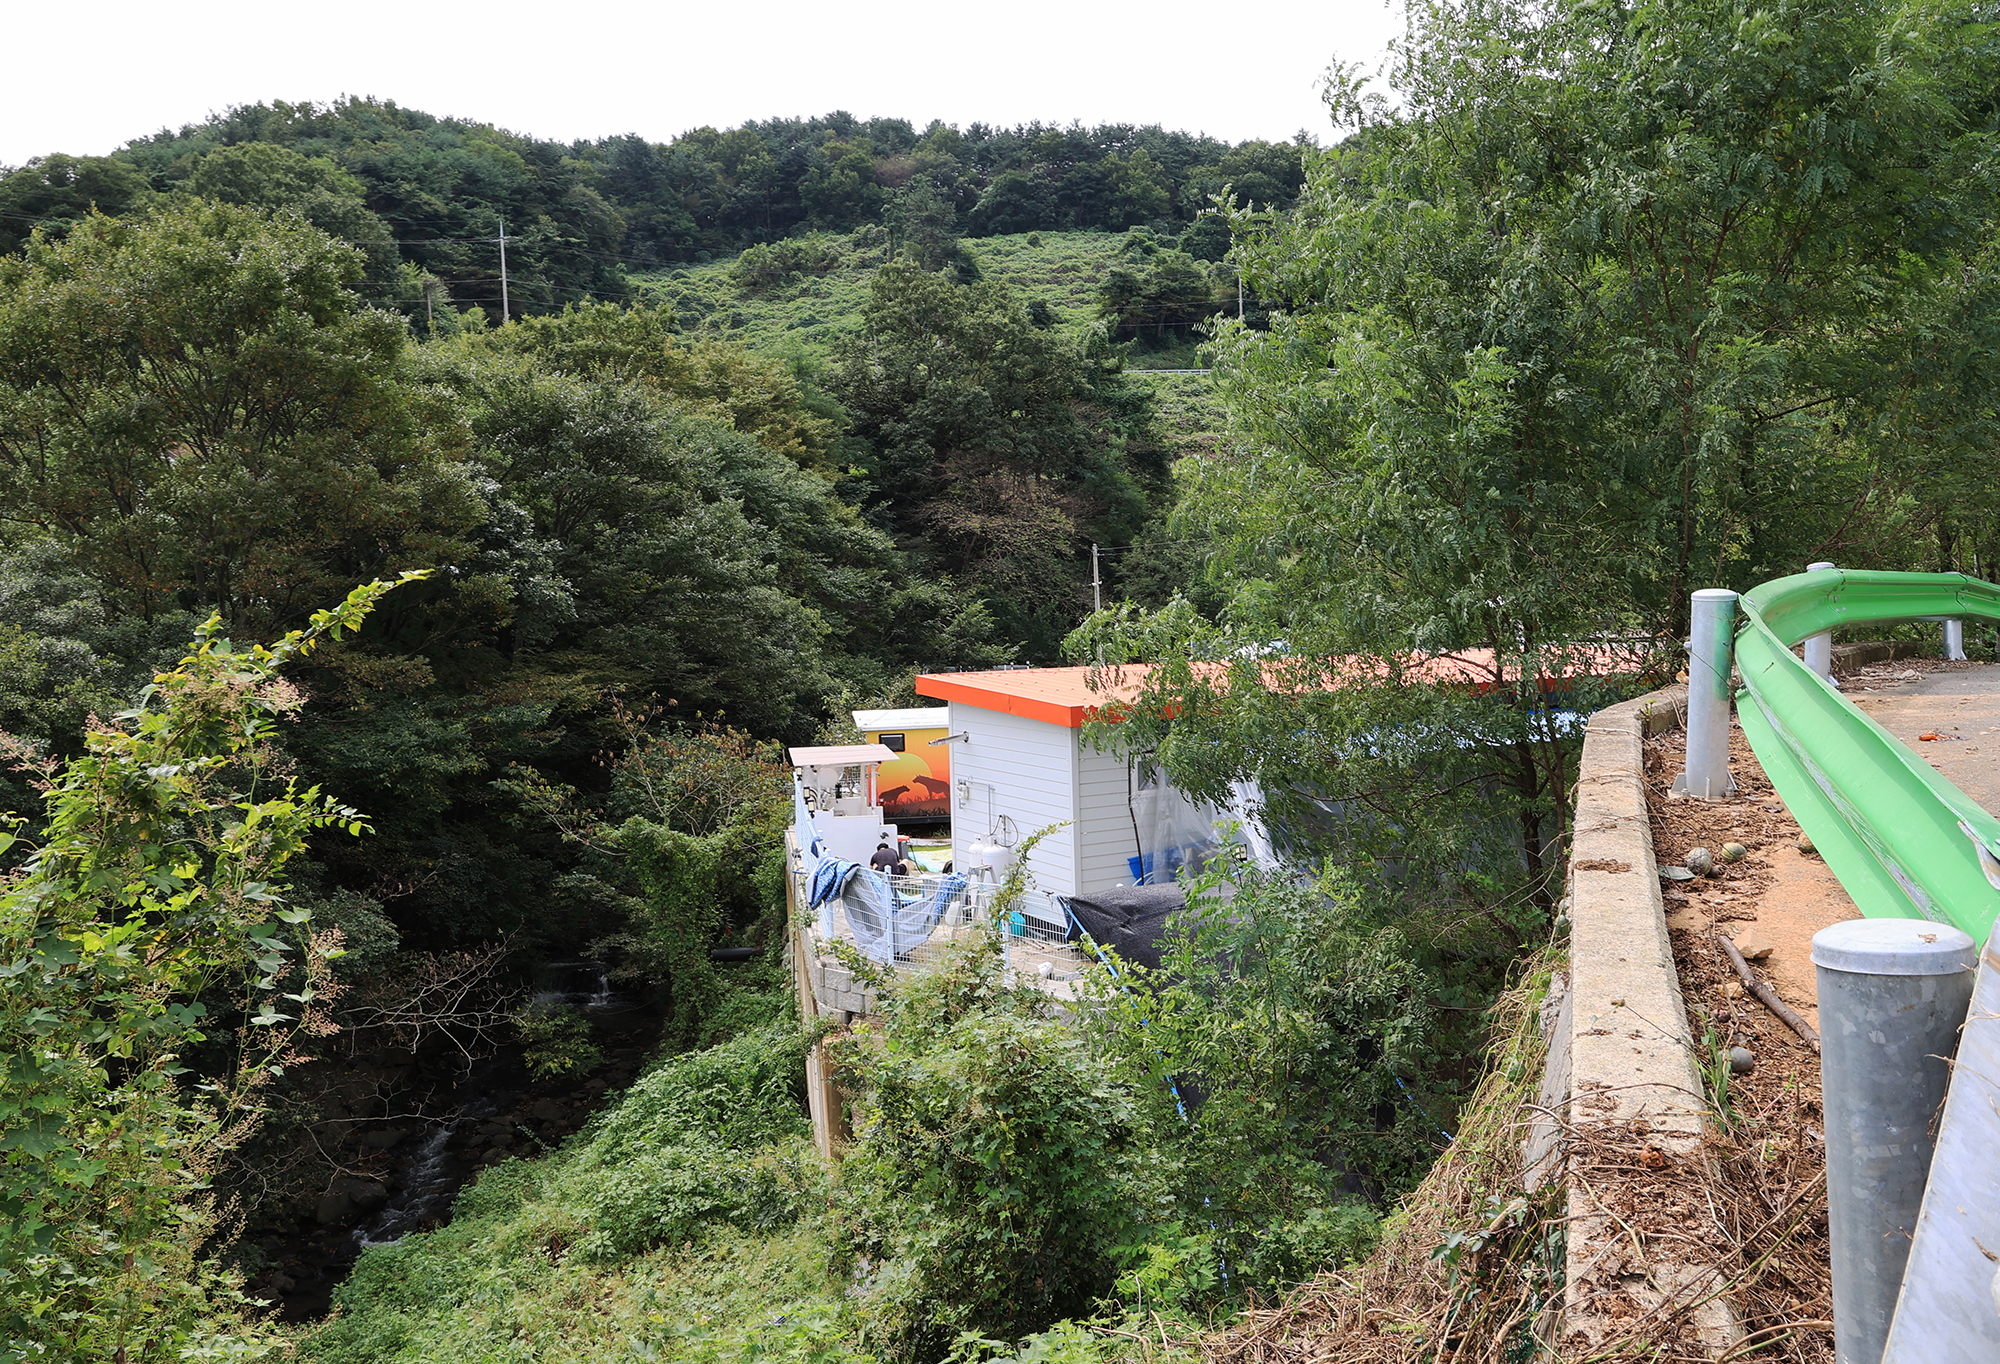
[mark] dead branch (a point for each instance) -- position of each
(1766, 995)
(458, 994)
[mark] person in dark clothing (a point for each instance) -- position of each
(884, 859)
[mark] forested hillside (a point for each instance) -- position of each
(378, 662)
(427, 197)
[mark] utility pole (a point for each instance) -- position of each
(430, 325)
(1096, 583)
(1239, 293)
(505, 311)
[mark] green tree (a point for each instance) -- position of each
(839, 189)
(197, 408)
(1002, 447)
(671, 541)
(149, 920)
(264, 175)
(1138, 190)
(757, 396)
(1160, 301)
(1623, 303)
(1268, 174)
(52, 192)
(925, 226)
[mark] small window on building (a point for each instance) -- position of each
(893, 742)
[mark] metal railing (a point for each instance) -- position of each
(1904, 841)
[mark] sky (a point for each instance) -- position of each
(86, 79)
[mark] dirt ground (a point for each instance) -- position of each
(1786, 894)
(1767, 1144)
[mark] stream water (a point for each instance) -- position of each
(429, 1178)
(469, 1122)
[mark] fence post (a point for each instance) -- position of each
(1819, 647)
(1711, 650)
(1954, 641)
(1893, 994)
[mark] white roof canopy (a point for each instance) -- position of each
(927, 717)
(842, 755)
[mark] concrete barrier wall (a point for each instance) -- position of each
(1630, 1060)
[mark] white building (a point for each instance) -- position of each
(840, 787)
(1019, 764)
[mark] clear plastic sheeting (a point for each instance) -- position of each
(1175, 832)
(810, 849)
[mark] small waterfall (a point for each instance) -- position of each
(430, 1180)
(585, 983)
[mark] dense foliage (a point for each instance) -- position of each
(147, 951)
(434, 194)
(1011, 1173)
(1619, 302)
(999, 1166)
(706, 1150)
(1002, 447)
(198, 414)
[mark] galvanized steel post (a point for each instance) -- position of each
(1947, 1313)
(1892, 996)
(1711, 644)
(1819, 648)
(1954, 641)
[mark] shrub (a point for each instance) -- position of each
(709, 1137)
(670, 1196)
(999, 1163)
(558, 1041)
(1276, 1035)
(703, 1147)
(149, 928)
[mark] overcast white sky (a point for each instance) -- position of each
(86, 78)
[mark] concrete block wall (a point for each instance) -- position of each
(833, 986)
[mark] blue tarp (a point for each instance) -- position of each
(829, 880)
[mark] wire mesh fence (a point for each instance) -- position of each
(909, 922)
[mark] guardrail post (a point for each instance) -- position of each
(1711, 649)
(1954, 641)
(1819, 648)
(1946, 1313)
(1893, 994)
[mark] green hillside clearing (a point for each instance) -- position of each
(801, 315)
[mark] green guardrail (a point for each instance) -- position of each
(1904, 842)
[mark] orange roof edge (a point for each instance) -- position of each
(1063, 696)
(1054, 696)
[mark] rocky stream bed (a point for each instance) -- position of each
(400, 1172)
